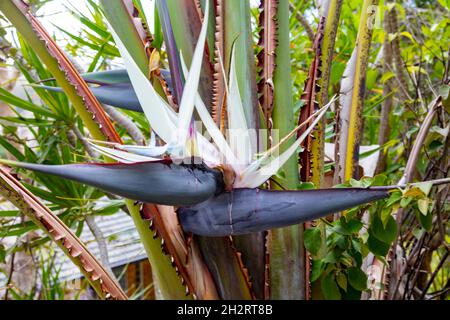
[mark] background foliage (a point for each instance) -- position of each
(41, 127)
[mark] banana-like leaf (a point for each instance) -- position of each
(227, 268)
(187, 18)
(331, 10)
(32, 207)
(130, 28)
(286, 279)
(172, 49)
(218, 108)
(252, 210)
(154, 182)
(237, 36)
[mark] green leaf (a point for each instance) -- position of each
(364, 182)
(405, 202)
(379, 180)
(425, 187)
(79, 229)
(394, 198)
(9, 213)
(356, 243)
(386, 234)
(305, 186)
(11, 99)
(425, 221)
(117, 14)
(112, 207)
(357, 279)
(323, 248)
(376, 246)
(313, 240)
(408, 35)
(422, 204)
(346, 259)
(341, 280)
(387, 76)
(352, 294)
(341, 242)
(158, 35)
(333, 256)
(330, 289)
(385, 214)
(11, 149)
(347, 227)
(413, 192)
(316, 269)
(2, 253)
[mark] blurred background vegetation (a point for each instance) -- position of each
(408, 68)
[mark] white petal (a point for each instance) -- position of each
(211, 126)
(191, 85)
(239, 135)
(253, 179)
(122, 156)
(155, 108)
(147, 151)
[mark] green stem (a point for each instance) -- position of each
(238, 31)
(116, 11)
(287, 280)
(331, 12)
(353, 100)
(168, 281)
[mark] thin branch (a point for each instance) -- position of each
(385, 129)
(439, 266)
(101, 242)
(91, 152)
(10, 275)
(423, 132)
(303, 22)
(125, 123)
(398, 61)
